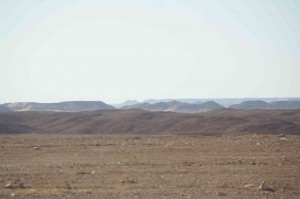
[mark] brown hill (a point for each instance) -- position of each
(144, 122)
(176, 106)
(61, 106)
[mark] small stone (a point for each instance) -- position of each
(67, 184)
(132, 181)
(93, 172)
(222, 194)
(8, 185)
(264, 187)
(248, 185)
(36, 148)
(21, 185)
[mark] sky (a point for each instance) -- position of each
(113, 50)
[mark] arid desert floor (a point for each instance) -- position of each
(149, 166)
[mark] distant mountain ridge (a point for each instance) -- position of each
(193, 106)
(71, 106)
(176, 106)
(250, 105)
(226, 102)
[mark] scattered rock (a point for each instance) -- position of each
(81, 173)
(93, 172)
(36, 148)
(283, 158)
(253, 163)
(21, 185)
(248, 185)
(264, 187)
(8, 185)
(222, 194)
(67, 185)
(129, 181)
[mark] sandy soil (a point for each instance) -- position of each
(148, 166)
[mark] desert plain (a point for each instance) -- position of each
(149, 166)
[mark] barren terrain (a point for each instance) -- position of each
(135, 121)
(148, 166)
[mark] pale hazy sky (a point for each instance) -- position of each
(116, 50)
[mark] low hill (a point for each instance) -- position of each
(72, 106)
(4, 108)
(285, 105)
(249, 105)
(176, 106)
(126, 103)
(136, 121)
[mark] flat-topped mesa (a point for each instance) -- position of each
(69, 106)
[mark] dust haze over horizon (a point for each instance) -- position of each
(112, 51)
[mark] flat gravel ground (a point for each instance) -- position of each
(148, 166)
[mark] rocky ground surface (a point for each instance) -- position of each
(149, 166)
